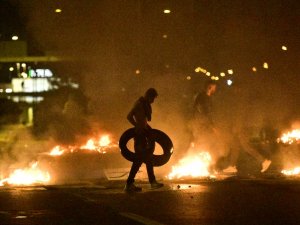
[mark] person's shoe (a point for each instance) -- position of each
(265, 165)
(132, 188)
(155, 185)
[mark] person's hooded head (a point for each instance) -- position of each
(150, 95)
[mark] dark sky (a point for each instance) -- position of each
(114, 39)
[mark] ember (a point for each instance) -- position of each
(27, 176)
(194, 165)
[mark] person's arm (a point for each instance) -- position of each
(131, 119)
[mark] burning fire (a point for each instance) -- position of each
(27, 176)
(290, 137)
(291, 172)
(56, 151)
(196, 165)
(92, 144)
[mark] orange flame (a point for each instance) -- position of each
(195, 165)
(291, 172)
(27, 176)
(290, 137)
(56, 151)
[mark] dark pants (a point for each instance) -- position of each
(144, 154)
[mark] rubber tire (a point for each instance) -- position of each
(158, 136)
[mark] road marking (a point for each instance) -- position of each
(140, 219)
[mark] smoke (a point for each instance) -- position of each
(116, 65)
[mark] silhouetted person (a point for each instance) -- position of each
(202, 124)
(139, 116)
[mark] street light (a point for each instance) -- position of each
(15, 38)
(167, 11)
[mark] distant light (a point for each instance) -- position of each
(230, 71)
(188, 77)
(167, 11)
(254, 69)
(207, 73)
(24, 75)
(15, 38)
(58, 10)
(23, 65)
(137, 72)
(222, 74)
(229, 82)
(266, 66)
(11, 68)
(1, 90)
(199, 69)
(284, 48)
(214, 78)
(167, 66)
(8, 90)
(165, 36)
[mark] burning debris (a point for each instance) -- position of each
(35, 174)
(27, 176)
(193, 165)
(290, 137)
(291, 172)
(99, 145)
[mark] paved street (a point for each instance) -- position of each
(230, 201)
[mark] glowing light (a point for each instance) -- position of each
(56, 151)
(188, 77)
(230, 71)
(165, 36)
(167, 11)
(104, 141)
(229, 82)
(15, 38)
(254, 69)
(222, 74)
(284, 48)
(194, 165)
(291, 172)
(199, 69)
(24, 75)
(11, 69)
(207, 74)
(137, 72)
(265, 65)
(58, 10)
(8, 90)
(290, 137)
(27, 176)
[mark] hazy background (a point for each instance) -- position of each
(123, 47)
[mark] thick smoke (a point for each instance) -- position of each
(116, 63)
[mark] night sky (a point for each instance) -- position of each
(124, 46)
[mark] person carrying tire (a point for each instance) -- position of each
(139, 116)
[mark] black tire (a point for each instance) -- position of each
(158, 136)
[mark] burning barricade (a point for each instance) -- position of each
(64, 164)
(291, 142)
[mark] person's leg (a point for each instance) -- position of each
(133, 171)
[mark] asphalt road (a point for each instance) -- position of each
(231, 201)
